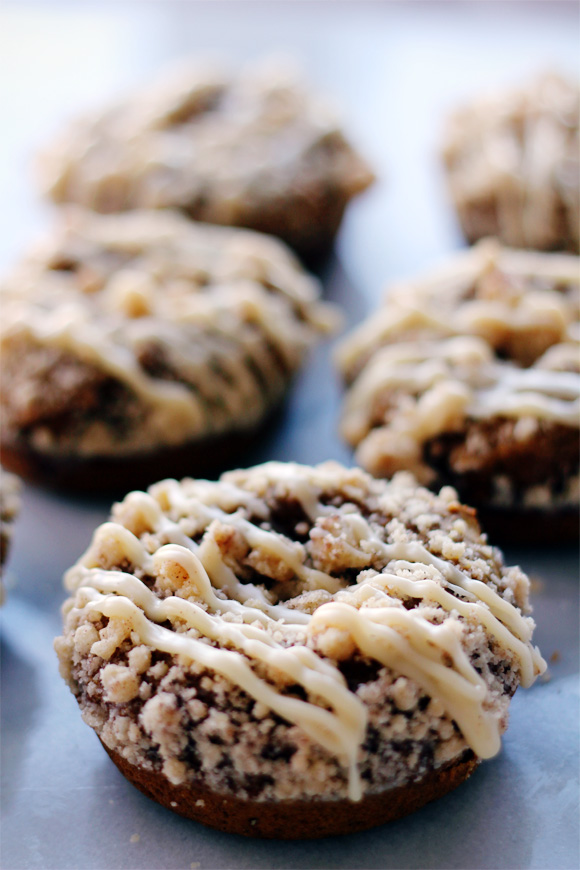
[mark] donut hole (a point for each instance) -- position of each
(326, 548)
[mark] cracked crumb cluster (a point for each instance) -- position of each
(291, 632)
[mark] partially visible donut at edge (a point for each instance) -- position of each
(9, 509)
(294, 651)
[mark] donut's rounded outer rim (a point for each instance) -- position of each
(115, 474)
(294, 819)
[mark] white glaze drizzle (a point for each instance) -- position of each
(368, 611)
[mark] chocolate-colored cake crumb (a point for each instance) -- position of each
(295, 651)
(471, 377)
(256, 150)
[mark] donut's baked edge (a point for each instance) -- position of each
(294, 820)
(118, 474)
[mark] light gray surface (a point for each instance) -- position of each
(395, 68)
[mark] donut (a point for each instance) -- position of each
(255, 150)
(469, 376)
(294, 651)
(512, 165)
(9, 509)
(143, 345)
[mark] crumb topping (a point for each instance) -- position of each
(292, 631)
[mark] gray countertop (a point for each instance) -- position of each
(395, 68)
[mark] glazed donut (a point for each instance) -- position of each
(254, 150)
(470, 376)
(143, 345)
(292, 651)
(513, 166)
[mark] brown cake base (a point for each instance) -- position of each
(312, 229)
(293, 820)
(480, 220)
(114, 475)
